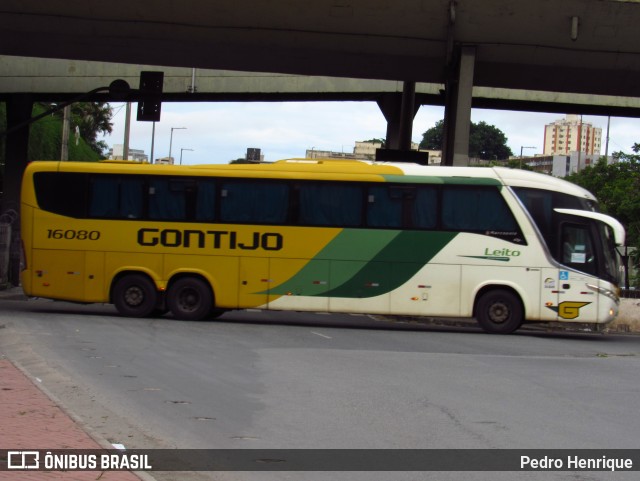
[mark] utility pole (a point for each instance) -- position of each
(579, 143)
(606, 144)
(66, 126)
(127, 127)
(153, 139)
(521, 151)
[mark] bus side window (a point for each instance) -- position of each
(384, 209)
(104, 197)
(115, 197)
(206, 201)
(476, 209)
(254, 202)
(167, 199)
(62, 193)
(328, 204)
(131, 198)
(424, 213)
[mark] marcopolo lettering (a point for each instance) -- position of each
(210, 239)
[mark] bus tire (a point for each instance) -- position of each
(135, 295)
(499, 311)
(190, 299)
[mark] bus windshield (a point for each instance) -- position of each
(611, 264)
(576, 234)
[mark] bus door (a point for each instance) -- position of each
(578, 253)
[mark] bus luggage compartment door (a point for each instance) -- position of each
(58, 274)
(254, 283)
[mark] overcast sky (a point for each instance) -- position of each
(221, 132)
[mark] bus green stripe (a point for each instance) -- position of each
(394, 265)
(352, 247)
(427, 179)
(361, 263)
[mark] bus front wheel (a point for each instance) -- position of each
(134, 295)
(499, 312)
(190, 299)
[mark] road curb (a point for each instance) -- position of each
(88, 430)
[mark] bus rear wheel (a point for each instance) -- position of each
(135, 295)
(499, 312)
(190, 299)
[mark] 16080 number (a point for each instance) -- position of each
(73, 234)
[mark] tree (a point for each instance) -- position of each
(91, 119)
(375, 141)
(433, 139)
(485, 141)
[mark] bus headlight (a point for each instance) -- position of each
(605, 292)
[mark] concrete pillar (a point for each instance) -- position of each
(457, 114)
(407, 113)
(399, 110)
(19, 108)
(390, 106)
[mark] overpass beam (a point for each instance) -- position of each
(457, 111)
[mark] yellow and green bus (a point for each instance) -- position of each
(504, 246)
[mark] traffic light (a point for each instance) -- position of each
(150, 96)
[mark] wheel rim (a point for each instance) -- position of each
(189, 299)
(499, 312)
(134, 296)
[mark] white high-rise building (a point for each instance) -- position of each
(571, 134)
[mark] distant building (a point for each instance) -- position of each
(367, 151)
(328, 154)
(254, 155)
(571, 134)
(117, 153)
(164, 160)
(562, 165)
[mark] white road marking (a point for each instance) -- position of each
(321, 335)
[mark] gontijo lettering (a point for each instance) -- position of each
(212, 239)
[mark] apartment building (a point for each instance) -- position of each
(571, 134)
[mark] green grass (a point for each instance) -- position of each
(45, 139)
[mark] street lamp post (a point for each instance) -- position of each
(171, 138)
(521, 149)
(182, 150)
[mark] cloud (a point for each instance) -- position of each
(220, 132)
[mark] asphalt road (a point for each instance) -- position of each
(291, 380)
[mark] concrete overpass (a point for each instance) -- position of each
(456, 47)
(585, 46)
(534, 55)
